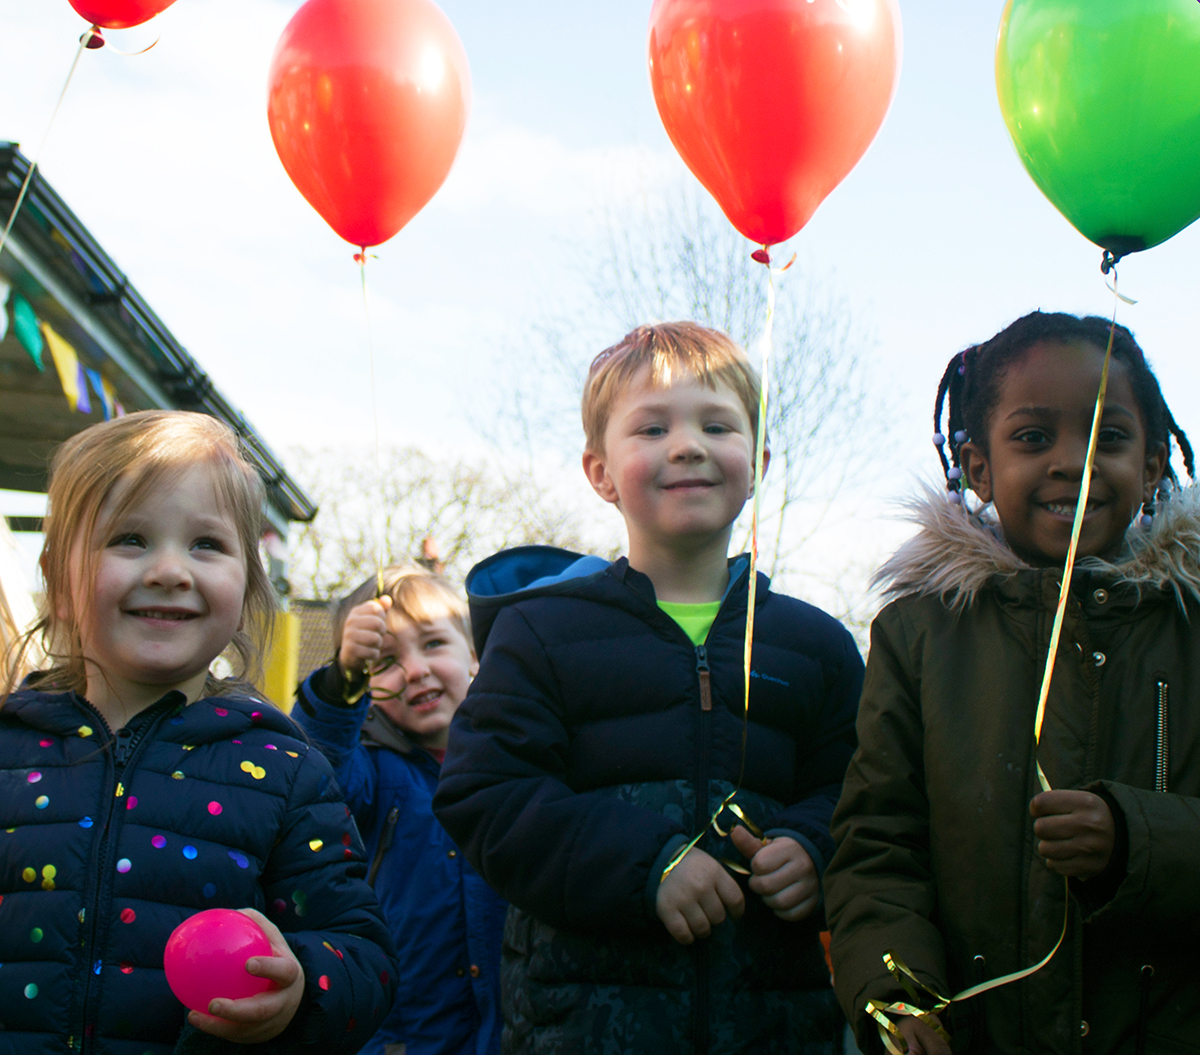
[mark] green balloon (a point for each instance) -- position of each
(1102, 100)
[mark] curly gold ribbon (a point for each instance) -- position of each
(888, 1031)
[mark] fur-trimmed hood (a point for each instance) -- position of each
(956, 553)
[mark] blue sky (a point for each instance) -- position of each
(936, 240)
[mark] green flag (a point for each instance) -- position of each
(29, 333)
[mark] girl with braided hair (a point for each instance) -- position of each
(949, 853)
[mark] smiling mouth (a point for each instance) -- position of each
(1067, 509)
(687, 484)
(425, 702)
(168, 615)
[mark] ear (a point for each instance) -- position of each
(1156, 465)
(597, 473)
(976, 471)
(473, 669)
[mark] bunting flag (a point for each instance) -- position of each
(5, 289)
(66, 362)
(83, 402)
(104, 392)
(25, 325)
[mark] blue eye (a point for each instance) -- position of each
(128, 539)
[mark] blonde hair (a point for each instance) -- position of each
(670, 349)
(418, 594)
(145, 450)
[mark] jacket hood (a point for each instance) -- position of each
(518, 574)
(526, 571)
(956, 553)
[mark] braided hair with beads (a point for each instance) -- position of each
(970, 387)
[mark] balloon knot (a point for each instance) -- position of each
(1108, 261)
(92, 38)
(360, 258)
(761, 256)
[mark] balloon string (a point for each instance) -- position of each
(377, 514)
(899, 970)
(763, 257)
(33, 164)
(755, 509)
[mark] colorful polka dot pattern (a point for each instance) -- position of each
(129, 916)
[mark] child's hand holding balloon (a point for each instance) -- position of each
(920, 1038)
(362, 636)
(1075, 830)
(783, 874)
(265, 1015)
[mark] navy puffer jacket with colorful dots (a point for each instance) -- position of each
(108, 842)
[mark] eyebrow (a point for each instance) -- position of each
(1035, 412)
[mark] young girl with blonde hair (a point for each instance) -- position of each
(139, 789)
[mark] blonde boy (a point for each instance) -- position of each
(606, 724)
(381, 713)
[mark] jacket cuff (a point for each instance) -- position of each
(654, 881)
(328, 721)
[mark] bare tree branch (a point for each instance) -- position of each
(471, 508)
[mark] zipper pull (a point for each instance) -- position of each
(703, 673)
(121, 751)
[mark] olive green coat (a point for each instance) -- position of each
(935, 854)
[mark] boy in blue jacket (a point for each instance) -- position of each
(606, 724)
(381, 714)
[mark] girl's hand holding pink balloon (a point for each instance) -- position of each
(197, 959)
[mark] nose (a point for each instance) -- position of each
(1070, 456)
(687, 447)
(416, 667)
(168, 569)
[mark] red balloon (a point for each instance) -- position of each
(771, 103)
(368, 102)
(119, 14)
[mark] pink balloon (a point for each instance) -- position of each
(206, 958)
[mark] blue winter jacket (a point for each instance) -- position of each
(107, 843)
(447, 923)
(595, 741)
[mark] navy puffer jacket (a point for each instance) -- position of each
(594, 742)
(108, 842)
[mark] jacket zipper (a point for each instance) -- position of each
(702, 1040)
(705, 677)
(1162, 763)
(123, 749)
(385, 843)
